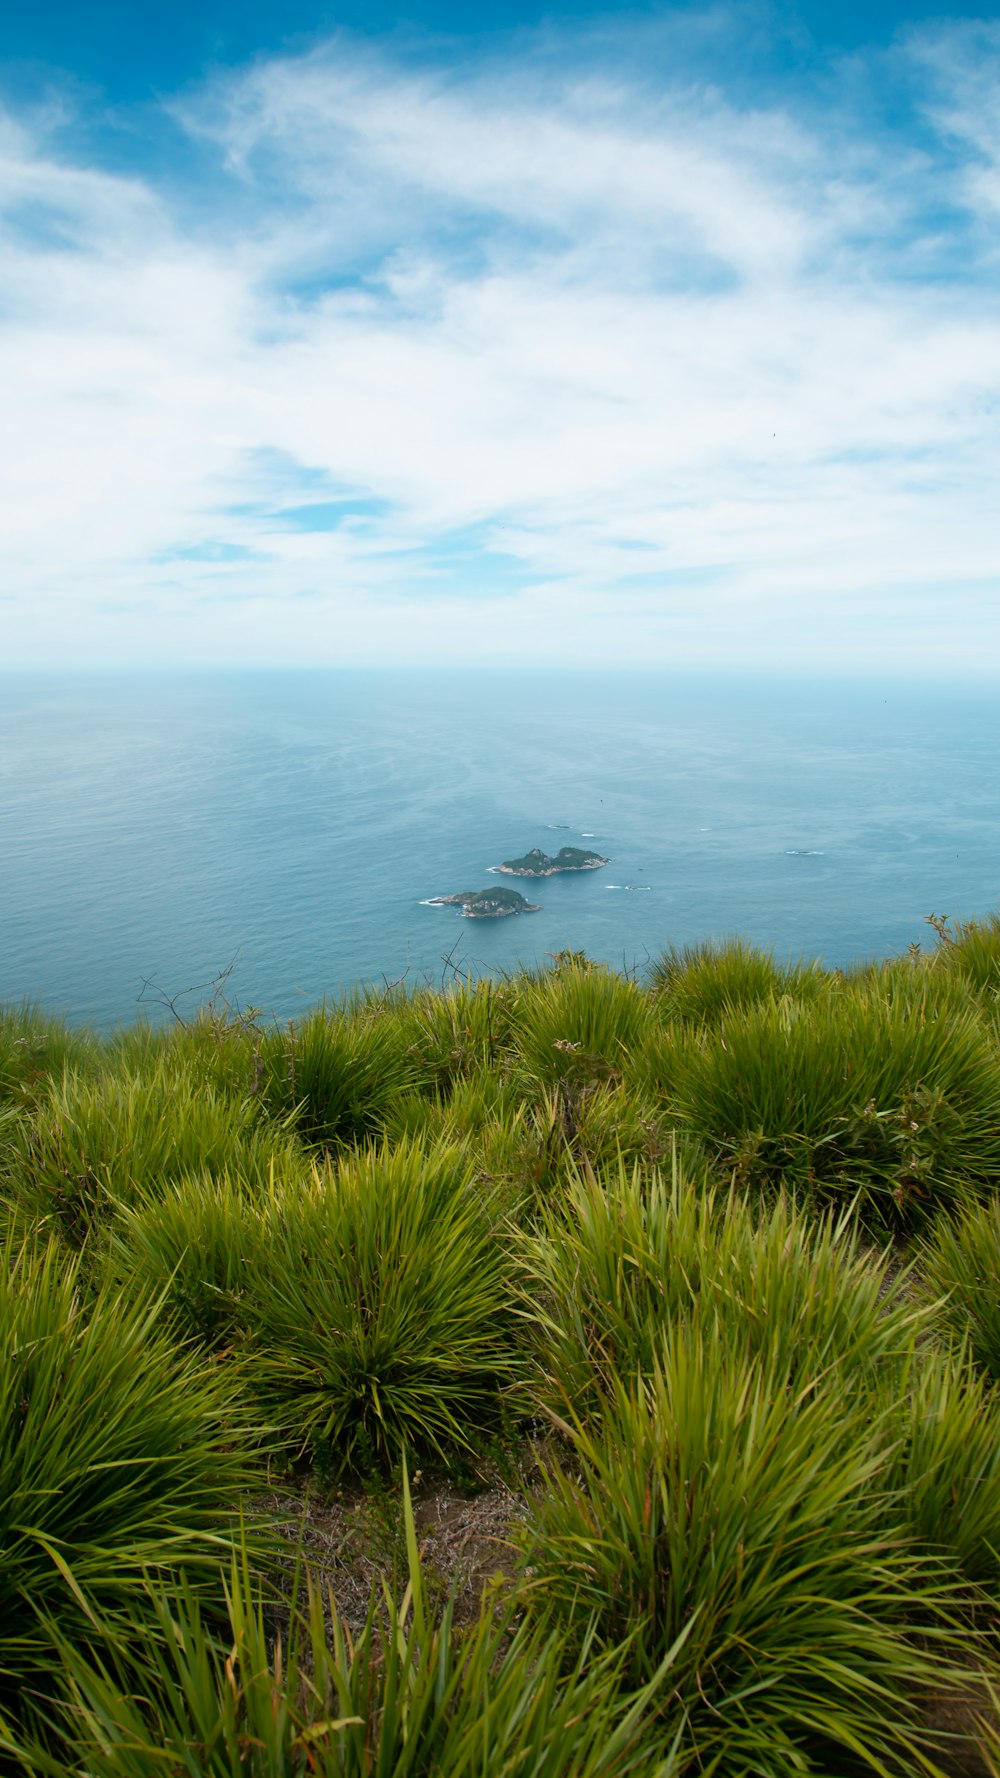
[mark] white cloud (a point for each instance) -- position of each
(600, 373)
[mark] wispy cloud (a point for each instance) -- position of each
(543, 355)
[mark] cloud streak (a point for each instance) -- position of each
(539, 356)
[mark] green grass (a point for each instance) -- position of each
(33, 1049)
(701, 984)
(380, 1310)
(93, 1143)
(458, 1033)
(118, 1461)
(337, 1074)
(620, 1263)
(713, 1501)
(894, 1094)
(578, 1023)
(960, 1269)
(214, 1051)
(191, 1250)
(719, 1251)
(971, 951)
(406, 1696)
(944, 1426)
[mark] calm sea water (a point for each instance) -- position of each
(156, 828)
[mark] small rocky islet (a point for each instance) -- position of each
(537, 863)
(486, 904)
(494, 904)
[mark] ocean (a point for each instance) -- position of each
(155, 829)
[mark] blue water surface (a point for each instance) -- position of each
(154, 828)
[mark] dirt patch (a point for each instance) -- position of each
(350, 1539)
(956, 1721)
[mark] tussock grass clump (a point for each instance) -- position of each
(970, 950)
(214, 1051)
(960, 1272)
(460, 1114)
(768, 1520)
(462, 1031)
(337, 1073)
(895, 1095)
(943, 1481)
(380, 1309)
(578, 1022)
(582, 1126)
(701, 984)
(192, 1250)
(406, 1696)
(35, 1048)
(713, 1502)
(617, 1265)
(115, 1139)
(116, 1463)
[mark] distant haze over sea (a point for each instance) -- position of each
(156, 827)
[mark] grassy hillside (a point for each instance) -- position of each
(570, 1375)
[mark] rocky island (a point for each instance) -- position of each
(486, 904)
(537, 863)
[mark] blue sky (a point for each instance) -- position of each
(336, 335)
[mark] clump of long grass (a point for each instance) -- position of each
(714, 1503)
(987, 1740)
(701, 984)
(337, 1073)
(406, 1695)
(960, 1274)
(943, 1480)
(970, 950)
(460, 1113)
(216, 1049)
(34, 1047)
(579, 1125)
(617, 1263)
(380, 1309)
(578, 1023)
(118, 1138)
(118, 1462)
(895, 1094)
(461, 1031)
(192, 1248)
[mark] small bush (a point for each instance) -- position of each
(117, 1463)
(380, 1309)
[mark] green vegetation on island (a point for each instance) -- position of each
(569, 1374)
(537, 863)
(486, 904)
